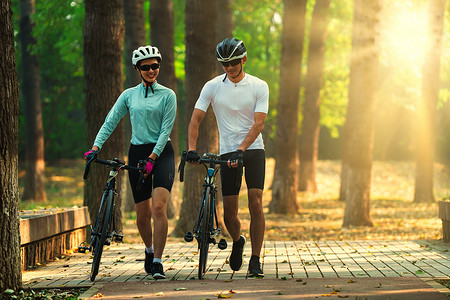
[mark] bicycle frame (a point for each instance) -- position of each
(208, 194)
(104, 229)
(110, 187)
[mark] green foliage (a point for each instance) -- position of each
(58, 30)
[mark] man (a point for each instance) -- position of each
(240, 102)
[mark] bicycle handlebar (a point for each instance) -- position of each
(115, 162)
(208, 158)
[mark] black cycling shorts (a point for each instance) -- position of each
(162, 174)
(255, 171)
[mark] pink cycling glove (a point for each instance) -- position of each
(89, 153)
(149, 165)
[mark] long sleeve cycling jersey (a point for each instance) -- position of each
(151, 118)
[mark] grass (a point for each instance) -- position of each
(394, 214)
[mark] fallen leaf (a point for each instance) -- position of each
(159, 294)
(98, 295)
(180, 289)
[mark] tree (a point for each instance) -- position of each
(103, 49)
(309, 138)
(359, 126)
(34, 131)
(134, 37)
(10, 267)
(284, 188)
(426, 125)
(201, 37)
(162, 36)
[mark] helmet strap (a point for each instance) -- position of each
(239, 71)
(148, 83)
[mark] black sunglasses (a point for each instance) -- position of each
(234, 62)
(154, 66)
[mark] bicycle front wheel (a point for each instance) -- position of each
(204, 234)
(102, 232)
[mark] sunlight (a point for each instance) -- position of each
(403, 35)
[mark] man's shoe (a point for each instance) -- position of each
(158, 271)
(236, 257)
(254, 267)
(148, 262)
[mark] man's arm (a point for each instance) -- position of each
(258, 126)
(194, 124)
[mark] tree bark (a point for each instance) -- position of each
(103, 49)
(201, 35)
(10, 266)
(284, 188)
(134, 38)
(162, 36)
(34, 131)
(426, 126)
(359, 126)
(309, 138)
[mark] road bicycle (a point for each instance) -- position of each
(206, 228)
(104, 230)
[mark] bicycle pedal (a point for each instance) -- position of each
(189, 237)
(222, 244)
(82, 248)
(108, 242)
(118, 237)
(212, 241)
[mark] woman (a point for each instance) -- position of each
(152, 110)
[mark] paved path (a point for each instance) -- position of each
(342, 260)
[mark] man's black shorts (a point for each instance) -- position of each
(255, 171)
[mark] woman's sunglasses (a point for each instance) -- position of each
(154, 66)
(234, 62)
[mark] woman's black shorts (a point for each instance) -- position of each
(162, 174)
(255, 171)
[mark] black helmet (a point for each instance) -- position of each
(230, 49)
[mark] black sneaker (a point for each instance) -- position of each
(158, 271)
(148, 262)
(254, 267)
(236, 257)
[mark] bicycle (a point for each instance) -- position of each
(206, 228)
(104, 230)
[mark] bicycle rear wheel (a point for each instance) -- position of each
(204, 234)
(102, 230)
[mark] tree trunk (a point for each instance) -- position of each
(103, 49)
(134, 38)
(426, 140)
(10, 267)
(34, 131)
(162, 36)
(284, 188)
(225, 25)
(359, 126)
(201, 35)
(309, 138)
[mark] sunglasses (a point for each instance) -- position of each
(154, 66)
(233, 63)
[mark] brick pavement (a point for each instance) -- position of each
(427, 260)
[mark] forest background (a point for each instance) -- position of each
(403, 35)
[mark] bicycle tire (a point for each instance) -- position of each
(103, 227)
(204, 234)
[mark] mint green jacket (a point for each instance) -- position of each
(151, 118)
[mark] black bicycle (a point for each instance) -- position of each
(104, 230)
(206, 228)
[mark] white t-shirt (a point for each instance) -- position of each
(234, 105)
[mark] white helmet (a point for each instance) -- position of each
(145, 52)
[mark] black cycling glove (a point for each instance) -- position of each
(192, 156)
(237, 156)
